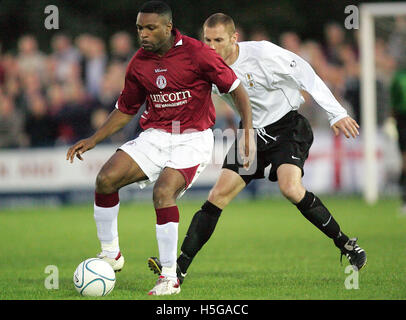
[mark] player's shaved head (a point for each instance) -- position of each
(154, 26)
(220, 19)
(158, 7)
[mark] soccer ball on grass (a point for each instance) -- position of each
(94, 277)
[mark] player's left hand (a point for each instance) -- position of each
(348, 126)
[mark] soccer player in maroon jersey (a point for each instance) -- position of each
(173, 75)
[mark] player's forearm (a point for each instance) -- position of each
(314, 85)
(243, 106)
(114, 123)
(325, 98)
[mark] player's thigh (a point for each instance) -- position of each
(290, 181)
(119, 171)
(167, 187)
(226, 188)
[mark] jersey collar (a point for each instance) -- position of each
(178, 37)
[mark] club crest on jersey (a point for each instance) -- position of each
(161, 82)
(250, 80)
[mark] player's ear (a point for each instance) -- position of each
(234, 37)
(169, 27)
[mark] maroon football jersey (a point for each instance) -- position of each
(176, 87)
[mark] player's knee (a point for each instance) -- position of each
(105, 183)
(292, 190)
(219, 197)
(162, 195)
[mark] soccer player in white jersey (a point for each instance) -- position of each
(273, 78)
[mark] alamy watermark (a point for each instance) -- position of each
(352, 19)
(351, 281)
(52, 281)
(52, 19)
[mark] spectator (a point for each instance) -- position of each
(79, 78)
(291, 41)
(57, 102)
(352, 88)
(2, 71)
(39, 126)
(397, 42)
(260, 34)
(77, 110)
(64, 55)
(30, 86)
(313, 53)
(11, 124)
(385, 62)
(122, 48)
(334, 38)
(112, 84)
(241, 35)
(93, 62)
(30, 59)
(10, 67)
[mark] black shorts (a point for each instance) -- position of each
(286, 141)
(401, 126)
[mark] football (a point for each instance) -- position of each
(94, 277)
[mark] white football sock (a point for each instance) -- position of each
(170, 272)
(167, 236)
(106, 224)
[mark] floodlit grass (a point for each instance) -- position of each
(261, 250)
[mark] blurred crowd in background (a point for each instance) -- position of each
(58, 98)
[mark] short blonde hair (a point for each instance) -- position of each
(220, 18)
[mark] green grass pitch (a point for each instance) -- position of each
(261, 250)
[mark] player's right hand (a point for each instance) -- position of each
(247, 147)
(79, 148)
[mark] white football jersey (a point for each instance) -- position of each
(273, 78)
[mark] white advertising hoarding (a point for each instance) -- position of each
(333, 164)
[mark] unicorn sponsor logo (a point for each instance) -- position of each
(173, 99)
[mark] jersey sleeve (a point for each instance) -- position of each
(290, 69)
(132, 96)
(215, 70)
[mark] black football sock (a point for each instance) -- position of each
(201, 228)
(315, 211)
